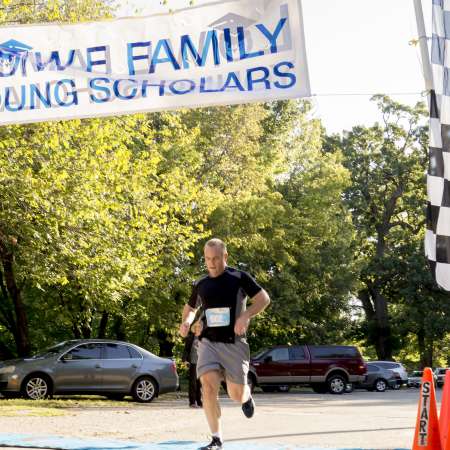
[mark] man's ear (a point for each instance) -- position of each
(225, 256)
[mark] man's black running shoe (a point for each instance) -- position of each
(248, 408)
(215, 444)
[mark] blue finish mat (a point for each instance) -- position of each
(64, 443)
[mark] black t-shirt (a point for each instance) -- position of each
(222, 298)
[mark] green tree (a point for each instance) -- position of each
(292, 232)
(387, 199)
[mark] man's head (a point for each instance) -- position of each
(215, 257)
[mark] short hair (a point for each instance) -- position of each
(217, 243)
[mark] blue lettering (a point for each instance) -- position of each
(186, 44)
(103, 89)
(36, 92)
(131, 57)
(163, 44)
(146, 84)
(118, 94)
(203, 88)
(290, 76)
(232, 77)
(99, 62)
(9, 105)
(251, 81)
(242, 50)
(64, 102)
(272, 38)
(184, 91)
(54, 58)
(228, 44)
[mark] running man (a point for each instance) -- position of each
(223, 350)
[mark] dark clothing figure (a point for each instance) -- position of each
(190, 356)
(223, 300)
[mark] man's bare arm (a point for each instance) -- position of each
(187, 318)
(259, 303)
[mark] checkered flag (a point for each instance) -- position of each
(437, 238)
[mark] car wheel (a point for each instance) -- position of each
(380, 385)
(117, 397)
(283, 388)
(336, 384)
(320, 388)
(349, 388)
(36, 387)
(144, 390)
(269, 388)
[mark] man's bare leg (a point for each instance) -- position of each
(241, 393)
(238, 392)
(210, 390)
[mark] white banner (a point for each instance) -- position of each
(227, 52)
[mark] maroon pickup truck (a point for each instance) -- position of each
(323, 367)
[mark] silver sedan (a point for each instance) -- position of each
(90, 366)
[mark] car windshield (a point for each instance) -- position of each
(416, 373)
(259, 353)
(53, 350)
(442, 371)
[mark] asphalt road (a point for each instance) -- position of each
(362, 419)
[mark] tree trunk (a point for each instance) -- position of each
(6, 308)
(5, 352)
(102, 326)
(21, 335)
(119, 329)
(376, 310)
(82, 329)
(429, 353)
(86, 330)
(425, 349)
(76, 332)
(383, 342)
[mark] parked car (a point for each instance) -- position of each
(415, 378)
(439, 376)
(90, 366)
(323, 367)
(377, 379)
(396, 367)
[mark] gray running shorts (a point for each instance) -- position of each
(232, 360)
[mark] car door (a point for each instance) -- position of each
(121, 363)
(373, 372)
(79, 369)
(299, 364)
(274, 366)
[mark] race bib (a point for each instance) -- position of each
(218, 317)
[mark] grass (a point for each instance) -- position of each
(20, 411)
(60, 405)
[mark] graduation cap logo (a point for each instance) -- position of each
(232, 21)
(12, 49)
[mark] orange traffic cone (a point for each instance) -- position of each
(444, 416)
(427, 435)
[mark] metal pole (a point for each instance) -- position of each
(425, 55)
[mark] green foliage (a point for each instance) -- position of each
(387, 199)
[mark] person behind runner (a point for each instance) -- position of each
(223, 350)
(190, 357)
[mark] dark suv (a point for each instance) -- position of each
(323, 367)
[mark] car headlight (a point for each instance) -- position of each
(7, 369)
